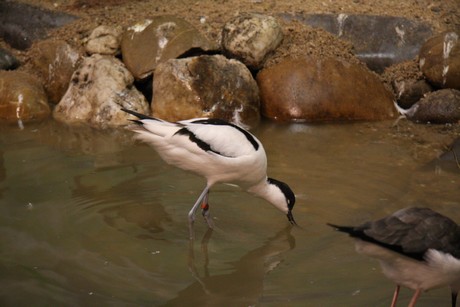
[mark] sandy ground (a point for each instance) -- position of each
(210, 15)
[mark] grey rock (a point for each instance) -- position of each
(21, 24)
(439, 107)
(379, 41)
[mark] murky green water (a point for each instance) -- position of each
(91, 219)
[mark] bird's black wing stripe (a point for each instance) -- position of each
(357, 232)
(216, 121)
(202, 144)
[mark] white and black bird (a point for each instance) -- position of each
(220, 152)
(417, 248)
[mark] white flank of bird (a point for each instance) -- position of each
(218, 151)
(417, 248)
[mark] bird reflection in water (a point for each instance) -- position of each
(244, 285)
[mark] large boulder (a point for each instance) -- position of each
(146, 44)
(315, 90)
(206, 86)
(440, 60)
(56, 61)
(98, 89)
(22, 98)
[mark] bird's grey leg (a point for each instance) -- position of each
(454, 298)
(191, 214)
(414, 298)
(205, 211)
(395, 296)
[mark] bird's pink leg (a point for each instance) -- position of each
(395, 296)
(415, 297)
(191, 214)
(205, 211)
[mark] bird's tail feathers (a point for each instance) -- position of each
(347, 229)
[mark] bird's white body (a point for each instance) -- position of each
(417, 248)
(236, 161)
(438, 270)
(218, 151)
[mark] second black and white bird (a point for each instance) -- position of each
(417, 248)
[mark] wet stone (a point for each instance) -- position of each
(251, 37)
(379, 41)
(148, 43)
(104, 40)
(439, 60)
(7, 60)
(56, 61)
(22, 98)
(439, 107)
(315, 90)
(98, 89)
(22, 24)
(206, 86)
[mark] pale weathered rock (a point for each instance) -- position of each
(154, 41)
(316, 90)
(206, 86)
(22, 98)
(251, 37)
(98, 89)
(440, 107)
(56, 61)
(104, 40)
(440, 60)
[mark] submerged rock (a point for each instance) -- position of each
(104, 40)
(145, 45)
(379, 41)
(440, 60)
(439, 107)
(21, 24)
(56, 61)
(251, 37)
(98, 89)
(448, 161)
(206, 86)
(22, 98)
(317, 90)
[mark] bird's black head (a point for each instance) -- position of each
(288, 194)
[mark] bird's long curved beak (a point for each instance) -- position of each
(291, 218)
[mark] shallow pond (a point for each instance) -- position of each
(90, 218)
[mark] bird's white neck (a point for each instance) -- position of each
(271, 193)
